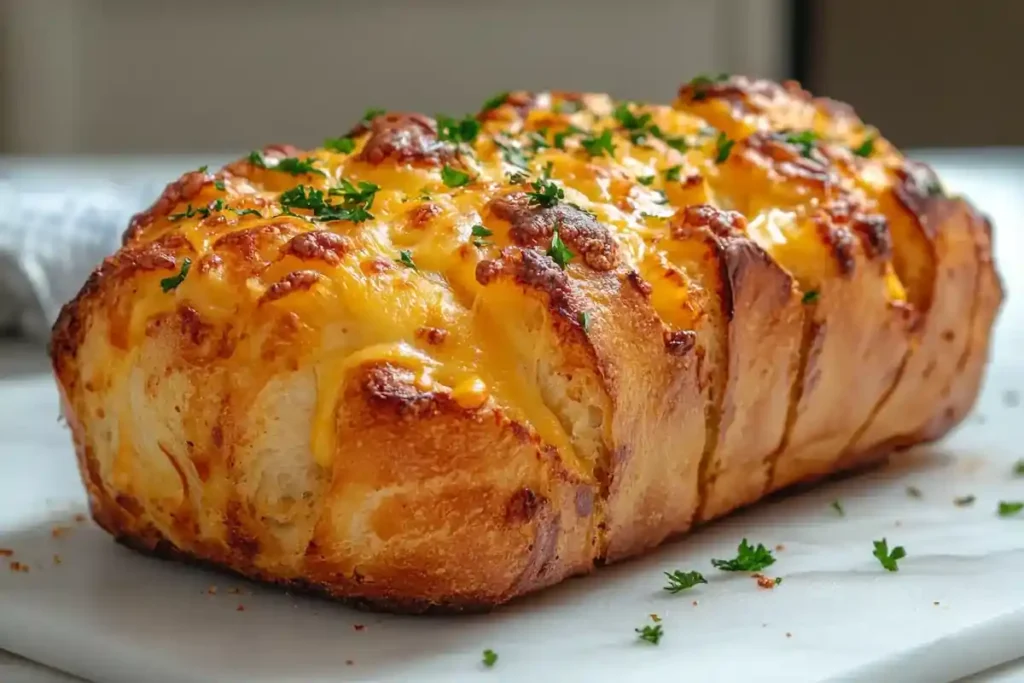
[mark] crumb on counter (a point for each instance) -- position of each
(80, 518)
(358, 627)
(655, 618)
(56, 559)
(780, 548)
(788, 634)
(212, 590)
(6, 552)
(16, 566)
(235, 591)
(936, 603)
(349, 662)
(59, 531)
(240, 608)
(694, 603)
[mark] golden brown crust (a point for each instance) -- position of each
(437, 367)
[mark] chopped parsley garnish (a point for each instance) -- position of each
(371, 114)
(964, 501)
(495, 101)
(203, 169)
(247, 212)
(219, 184)
(662, 198)
(539, 139)
(679, 580)
(838, 507)
(256, 159)
(297, 166)
(602, 144)
(679, 144)
(187, 213)
(778, 580)
(700, 84)
(479, 232)
(914, 492)
(545, 173)
(645, 179)
(584, 320)
(453, 177)
(558, 252)
(1009, 508)
(723, 147)
(342, 145)
(355, 206)
(866, 148)
(1018, 468)
(886, 558)
(513, 155)
(672, 173)
(518, 178)
(169, 283)
(630, 121)
(405, 258)
(545, 193)
(810, 296)
(805, 140)
(490, 658)
(650, 634)
(457, 130)
(748, 559)
(567, 107)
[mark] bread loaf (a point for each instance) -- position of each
(436, 364)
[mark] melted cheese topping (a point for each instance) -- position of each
(410, 266)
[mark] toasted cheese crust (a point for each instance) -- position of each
(437, 365)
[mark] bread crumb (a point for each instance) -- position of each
(788, 634)
(780, 548)
(56, 559)
(764, 581)
(235, 591)
(79, 518)
(655, 618)
(6, 552)
(694, 603)
(349, 662)
(358, 627)
(212, 590)
(936, 603)
(240, 608)
(59, 531)
(16, 566)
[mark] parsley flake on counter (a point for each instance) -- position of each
(838, 507)
(748, 559)
(584, 320)
(651, 634)
(453, 177)
(886, 558)
(1009, 508)
(914, 492)
(964, 501)
(672, 173)
(513, 156)
(187, 213)
(805, 140)
(405, 258)
(602, 144)
(1018, 468)
(457, 130)
(341, 145)
(866, 148)
(490, 658)
(545, 193)
(645, 179)
(496, 101)
(558, 252)
(219, 184)
(723, 147)
(169, 283)
(778, 580)
(679, 580)
(810, 296)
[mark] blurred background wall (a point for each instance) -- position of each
(105, 76)
(135, 76)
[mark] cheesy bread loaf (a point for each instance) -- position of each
(441, 362)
